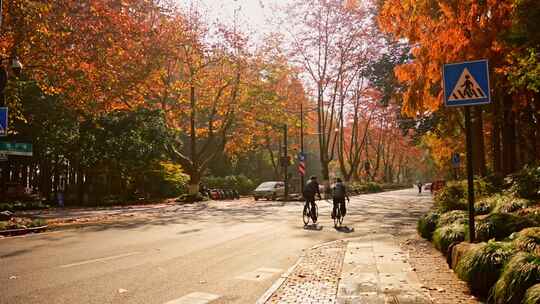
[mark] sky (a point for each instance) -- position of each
(254, 16)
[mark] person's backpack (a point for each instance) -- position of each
(339, 190)
(308, 190)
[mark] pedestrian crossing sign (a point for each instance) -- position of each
(3, 121)
(466, 83)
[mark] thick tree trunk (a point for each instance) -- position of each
(479, 157)
(496, 137)
(537, 118)
(509, 137)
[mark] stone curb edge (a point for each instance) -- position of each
(270, 291)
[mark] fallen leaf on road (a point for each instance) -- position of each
(121, 290)
(12, 277)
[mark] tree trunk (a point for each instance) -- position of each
(479, 157)
(509, 137)
(496, 137)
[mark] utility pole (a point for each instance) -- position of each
(286, 162)
(301, 143)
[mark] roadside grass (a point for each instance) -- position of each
(500, 225)
(521, 273)
(427, 224)
(532, 296)
(528, 240)
(481, 266)
(445, 236)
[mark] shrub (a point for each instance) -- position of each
(485, 205)
(445, 236)
(453, 217)
(532, 296)
(508, 203)
(23, 205)
(240, 183)
(481, 266)
(528, 240)
(451, 197)
(427, 224)
(500, 225)
(526, 183)
(454, 195)
(522, 272)
(174, 180)
(373, 187)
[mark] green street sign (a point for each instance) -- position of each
(15, 148)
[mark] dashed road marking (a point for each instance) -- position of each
(258, 275)
(195, 298)
(100, 260)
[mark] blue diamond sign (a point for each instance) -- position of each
(3, 121)
(466, 83)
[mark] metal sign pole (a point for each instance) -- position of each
(470, 173)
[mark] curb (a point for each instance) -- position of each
(22, 231)
(270, 291)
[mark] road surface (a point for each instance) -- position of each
(232, 251)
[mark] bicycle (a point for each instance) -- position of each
(338, 217)
(306, 213)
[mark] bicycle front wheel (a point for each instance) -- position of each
(306, 215)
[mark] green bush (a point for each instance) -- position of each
(454, 195)
(174, 180)
(485, 205)
(451, 197)
(532, 296)
(521, 273)
(427, 224)
(445, 236)
(528, 240)
(240, 183)
(508, 203)
(500, 225)
(453, 217)
(23, 205)
(526, 183)
(481, 266)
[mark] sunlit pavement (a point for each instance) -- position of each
(220, 252)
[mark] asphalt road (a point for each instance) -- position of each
(234, 250)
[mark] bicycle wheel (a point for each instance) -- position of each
(306, 214)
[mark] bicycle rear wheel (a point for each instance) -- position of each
(337, 216)
(306, 215)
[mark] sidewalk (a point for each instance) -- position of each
(375, 269)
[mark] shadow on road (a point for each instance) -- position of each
(314, 227)
(344, 229)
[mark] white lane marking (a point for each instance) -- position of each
(100, 259)
(195, 298)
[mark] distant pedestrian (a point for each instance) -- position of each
(419, 185)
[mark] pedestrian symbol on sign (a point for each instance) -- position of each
(466, 88)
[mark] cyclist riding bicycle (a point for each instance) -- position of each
(312, 188)
(339, 195)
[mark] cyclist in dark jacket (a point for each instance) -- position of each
(312, 188)
(339, 195)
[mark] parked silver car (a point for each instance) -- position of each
(269, 190)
